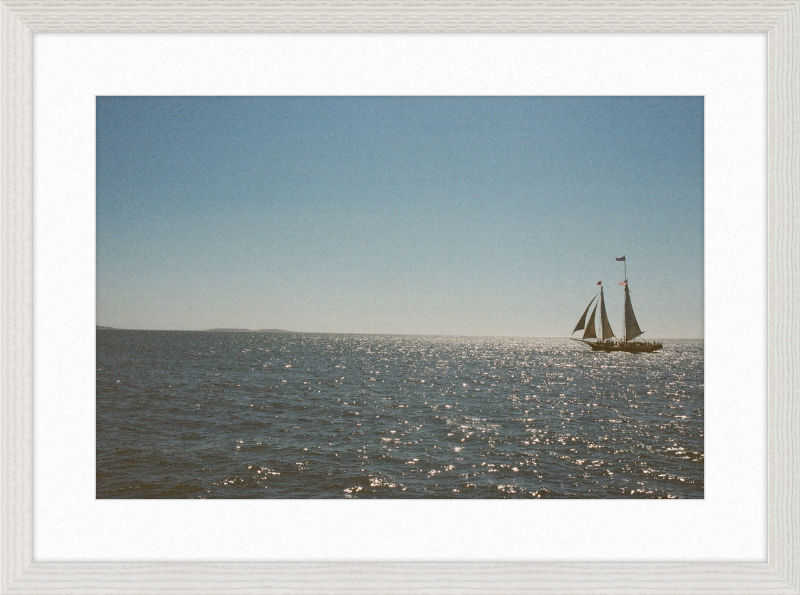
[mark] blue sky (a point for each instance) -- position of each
(429, 215)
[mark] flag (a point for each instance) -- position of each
(621, 259)
(599, 282)
(623, 282)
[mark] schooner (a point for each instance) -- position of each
(603, 341)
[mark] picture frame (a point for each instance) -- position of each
(779, 19)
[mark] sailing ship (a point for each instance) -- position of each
(603, 342)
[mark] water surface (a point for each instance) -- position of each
(292, 415)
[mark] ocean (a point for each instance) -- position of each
(303, 415)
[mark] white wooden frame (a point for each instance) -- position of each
(780, 19)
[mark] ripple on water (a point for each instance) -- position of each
(262, 415)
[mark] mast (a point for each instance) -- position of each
(625, 307)
(606, 332)
(632, 329)
(624, 320)
(590, 333)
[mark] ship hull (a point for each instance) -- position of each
(626, 346)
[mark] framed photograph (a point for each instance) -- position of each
(307, 286)
(410, 367)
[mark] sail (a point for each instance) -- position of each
(590, 333)
(606, 332)
(632, 329)
(582, 321)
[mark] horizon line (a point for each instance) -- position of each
(389, 334)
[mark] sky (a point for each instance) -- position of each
(413, 215)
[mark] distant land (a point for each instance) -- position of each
(210, 330)
(247, 330)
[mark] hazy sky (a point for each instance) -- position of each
(430, 215)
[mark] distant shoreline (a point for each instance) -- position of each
(206, 330)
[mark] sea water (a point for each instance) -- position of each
(295, 415)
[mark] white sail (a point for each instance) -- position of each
(582, 322)
(590, 333)
(606, 327)
(632, 329)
